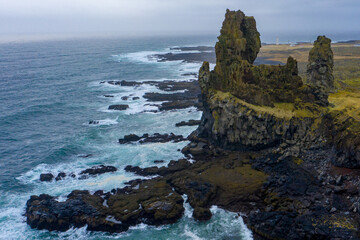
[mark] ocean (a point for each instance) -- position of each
(50, 90)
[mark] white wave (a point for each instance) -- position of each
(139, 105)
(191, 234)
(236, 220)
(140, 57)
(174, 51)
(103, 122)
(75, 234)
(188, 209)
(141, 226)
(151, 57)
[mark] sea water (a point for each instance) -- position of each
(49, 91)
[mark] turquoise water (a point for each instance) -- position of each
(49, 91)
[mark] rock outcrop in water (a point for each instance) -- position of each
(152, 202)
(321, 64)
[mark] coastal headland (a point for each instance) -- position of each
(279, 144)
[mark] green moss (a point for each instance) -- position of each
(280, 110)
(216, 116)
(242, 180)
(335, 221)
(298, 161)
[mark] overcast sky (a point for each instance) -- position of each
(171, 17)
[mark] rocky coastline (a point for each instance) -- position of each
(268, 146)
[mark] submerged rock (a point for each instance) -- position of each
(119, 107)
(156, 137)
(202, 214)
(191, 122)
(97, 170)
(60, 176)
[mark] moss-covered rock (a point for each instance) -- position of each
(345, 135)
(321, 64)
(238, 40)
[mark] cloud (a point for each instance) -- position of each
(139, 17)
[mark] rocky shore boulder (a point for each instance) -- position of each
(46, 177)
(97, 170)
(118, 107)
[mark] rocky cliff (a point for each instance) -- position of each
(257, 107)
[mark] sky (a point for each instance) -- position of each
(128, 18)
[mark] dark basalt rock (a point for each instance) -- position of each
(46, 177)
(135, 98)
(108, 95)
(129, 138)
(60, 176)
(97, 170)
(187, 57)
(159, 161)
(156, 137)
(202, 214)
(287, 225)
(124, 98)
(191, 122)
(172, 105)
(172, 167)
(119, 107)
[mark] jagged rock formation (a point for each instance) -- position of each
(236, 50)
(255, 107)
(321, 63)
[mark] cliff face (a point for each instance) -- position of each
(257, 107)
